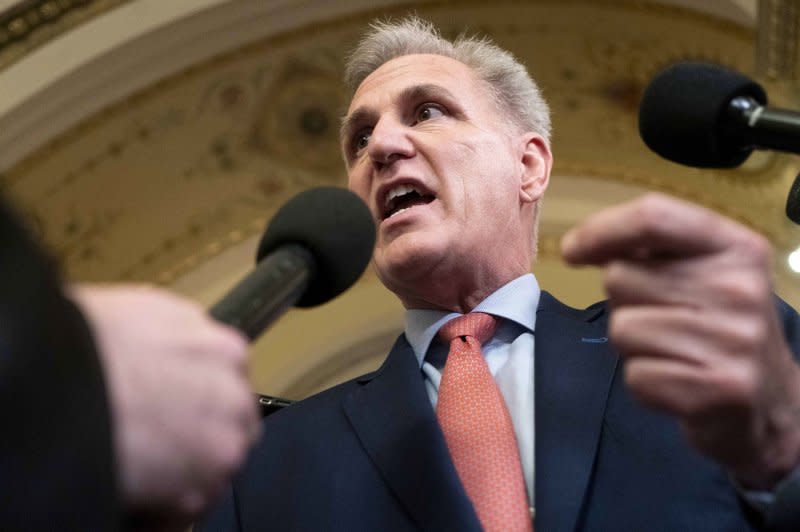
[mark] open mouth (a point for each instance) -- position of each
(403, 197)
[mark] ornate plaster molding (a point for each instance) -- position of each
(31, 23)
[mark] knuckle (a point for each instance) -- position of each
(727, 389)
(614, 276)
(222, 345)
(633, 377)
(251, 417)
(742, 291)
(237, 404)
(230, 344)
(749, 336)
(641, 386)
(226, 455)
(651, 202)
(232, 452)
(738, 387)
(243, 403)
(638, 381)
(651, 212)
(734, 288)
(620, 326)
(647, 213)
(192, 502)
(756, 246)
(239, 347)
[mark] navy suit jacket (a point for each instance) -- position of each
(369, 454)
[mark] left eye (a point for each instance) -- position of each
(427, 111)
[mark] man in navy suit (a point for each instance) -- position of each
(691, 421)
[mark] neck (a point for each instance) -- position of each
(457, 293)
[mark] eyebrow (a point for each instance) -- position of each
(411, 93)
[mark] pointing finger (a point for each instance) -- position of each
(652, 226)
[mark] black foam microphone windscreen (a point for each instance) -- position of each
(793, 201)
(337, 229)
(682, 114)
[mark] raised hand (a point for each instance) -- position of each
(694, 316)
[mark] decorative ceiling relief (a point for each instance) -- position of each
(189, 167)
(298, 119)
(164, 180)
(31, 23)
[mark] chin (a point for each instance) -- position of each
(408, 260)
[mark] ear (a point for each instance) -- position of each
(536, 162)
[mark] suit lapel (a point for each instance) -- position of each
(396, 424)
(574, 367)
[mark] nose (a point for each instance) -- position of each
(389, 142)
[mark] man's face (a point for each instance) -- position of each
(441, 169)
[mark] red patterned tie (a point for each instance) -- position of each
(478, 429)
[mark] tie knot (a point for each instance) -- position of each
(479, 325)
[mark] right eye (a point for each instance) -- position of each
(360, 141)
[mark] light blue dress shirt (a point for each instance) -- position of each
(509, 355)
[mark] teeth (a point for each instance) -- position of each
(399, 190)
(395, 213)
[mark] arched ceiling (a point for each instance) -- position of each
(150, 141)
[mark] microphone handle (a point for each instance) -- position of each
(276, 284)
(766, 127)
(778, 129)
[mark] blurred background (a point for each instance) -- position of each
(151, 140)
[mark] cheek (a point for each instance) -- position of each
(483, 153)
(486, 172)
(359, 185)
(491, 200)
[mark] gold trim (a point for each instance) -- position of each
(777, 47)
(32, 23)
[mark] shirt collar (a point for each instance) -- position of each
(516, 301)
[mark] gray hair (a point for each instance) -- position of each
(509, 82)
